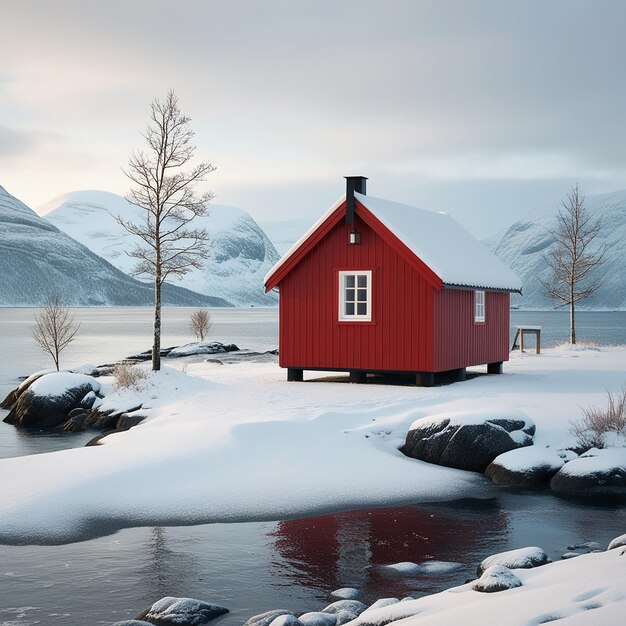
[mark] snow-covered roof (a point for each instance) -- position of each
(438, 240)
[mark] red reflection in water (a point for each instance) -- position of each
(348, 549)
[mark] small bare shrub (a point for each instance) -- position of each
(200, 322)
(55, 328)
(591, 429)
(128, 376)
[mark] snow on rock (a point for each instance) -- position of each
(202, 347)
(530, 466)
(49, 399)
(407, 568)
(350, 606)
(381, 603)
(468, 440)
(265, 619)
(524, 558)
(172, 611)
(132, 622)
(317, 618)
(618, 542)
(345, 593)
(596, 472)
(496, 578)
(569, 555)
(590, 546)
(581, 591)
(286, 620)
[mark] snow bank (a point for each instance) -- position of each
(268, 449)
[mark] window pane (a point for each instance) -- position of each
(349, 295)
(349, 308)
(350, 280)
(362, 295)
(362, 281)
(361, 308)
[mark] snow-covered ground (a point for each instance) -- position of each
(237, 442)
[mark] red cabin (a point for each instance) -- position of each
(381, 287)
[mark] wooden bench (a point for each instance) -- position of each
(527, 330)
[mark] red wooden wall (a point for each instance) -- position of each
(459, 341)
(399, 337)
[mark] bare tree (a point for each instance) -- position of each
(574, 257)
(200, 321)
(169, 244)
(55, 328)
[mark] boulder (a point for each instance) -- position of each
(522, 558)
(88, 401)
(496, 578)
(345, 593)
(171, 611)
(618, 542)
(468, 440)
(132, 622)
(594, 473)
(382, 602)
(49, 399)
(286, 620)
(343, 617)
(349, 606)
(569, 555)
(590, 546)
(126, 421)
(13, 395)
(531, 466)
(202, 347)
(317, 618)
(265, 619)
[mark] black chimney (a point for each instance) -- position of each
(353, 184)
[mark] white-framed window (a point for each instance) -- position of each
(479, 306)
(355, 296)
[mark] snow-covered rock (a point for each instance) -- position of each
(531, 466)
(345, 593)
(468, 440)
(172, 611)
(239, 257)
(381, 603)
(201, 347)
(36, 256)
(596, 472)
(317, 618)
(286, 620)
(407, 568)
(522, 558)
(526, 243)
(49, 399)
(132, 622)
(569, 555)
(350, 606)
(618, 542)
(590, 546)
(496, 578)
(265, 619)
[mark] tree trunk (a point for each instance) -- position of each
(156, 345)
(572, 329)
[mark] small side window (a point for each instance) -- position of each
(355, 296)
(479, 306)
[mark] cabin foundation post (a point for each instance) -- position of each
(460, 374)
(494, 368)
(425, 379)
(295, 375)
(358, 377)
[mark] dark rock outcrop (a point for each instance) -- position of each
(171, 611)
(468, 443)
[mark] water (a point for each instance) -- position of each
(253, 567)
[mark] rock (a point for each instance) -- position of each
(618, 542)
(345, 593)
(351, 606)
(132, 622)
(80, 411)
(405, 568)
(13, 395)
(531, 466)
(382, 602)
(523, 558)
(88, 369)
(496, 578)
(317, 618)
(569, 555)
(125, 421)
(49, 399)
(468, 440)
(96, 440)
(88, 400)
(343, 617)
(265, 619)
(286, 620)
(202, 347)
(591, 546)
(72, 426)
(594, 473)
(181, 612)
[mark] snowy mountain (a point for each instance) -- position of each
(283, 234)
(37, 261)
(525, 244)
(240, 252)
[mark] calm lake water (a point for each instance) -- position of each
(253, 567)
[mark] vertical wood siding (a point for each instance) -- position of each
(399, 337)
(460, 342)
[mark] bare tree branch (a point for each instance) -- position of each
(55, 328)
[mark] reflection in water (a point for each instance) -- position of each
(348, 549)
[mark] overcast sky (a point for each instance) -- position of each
(482, 109)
